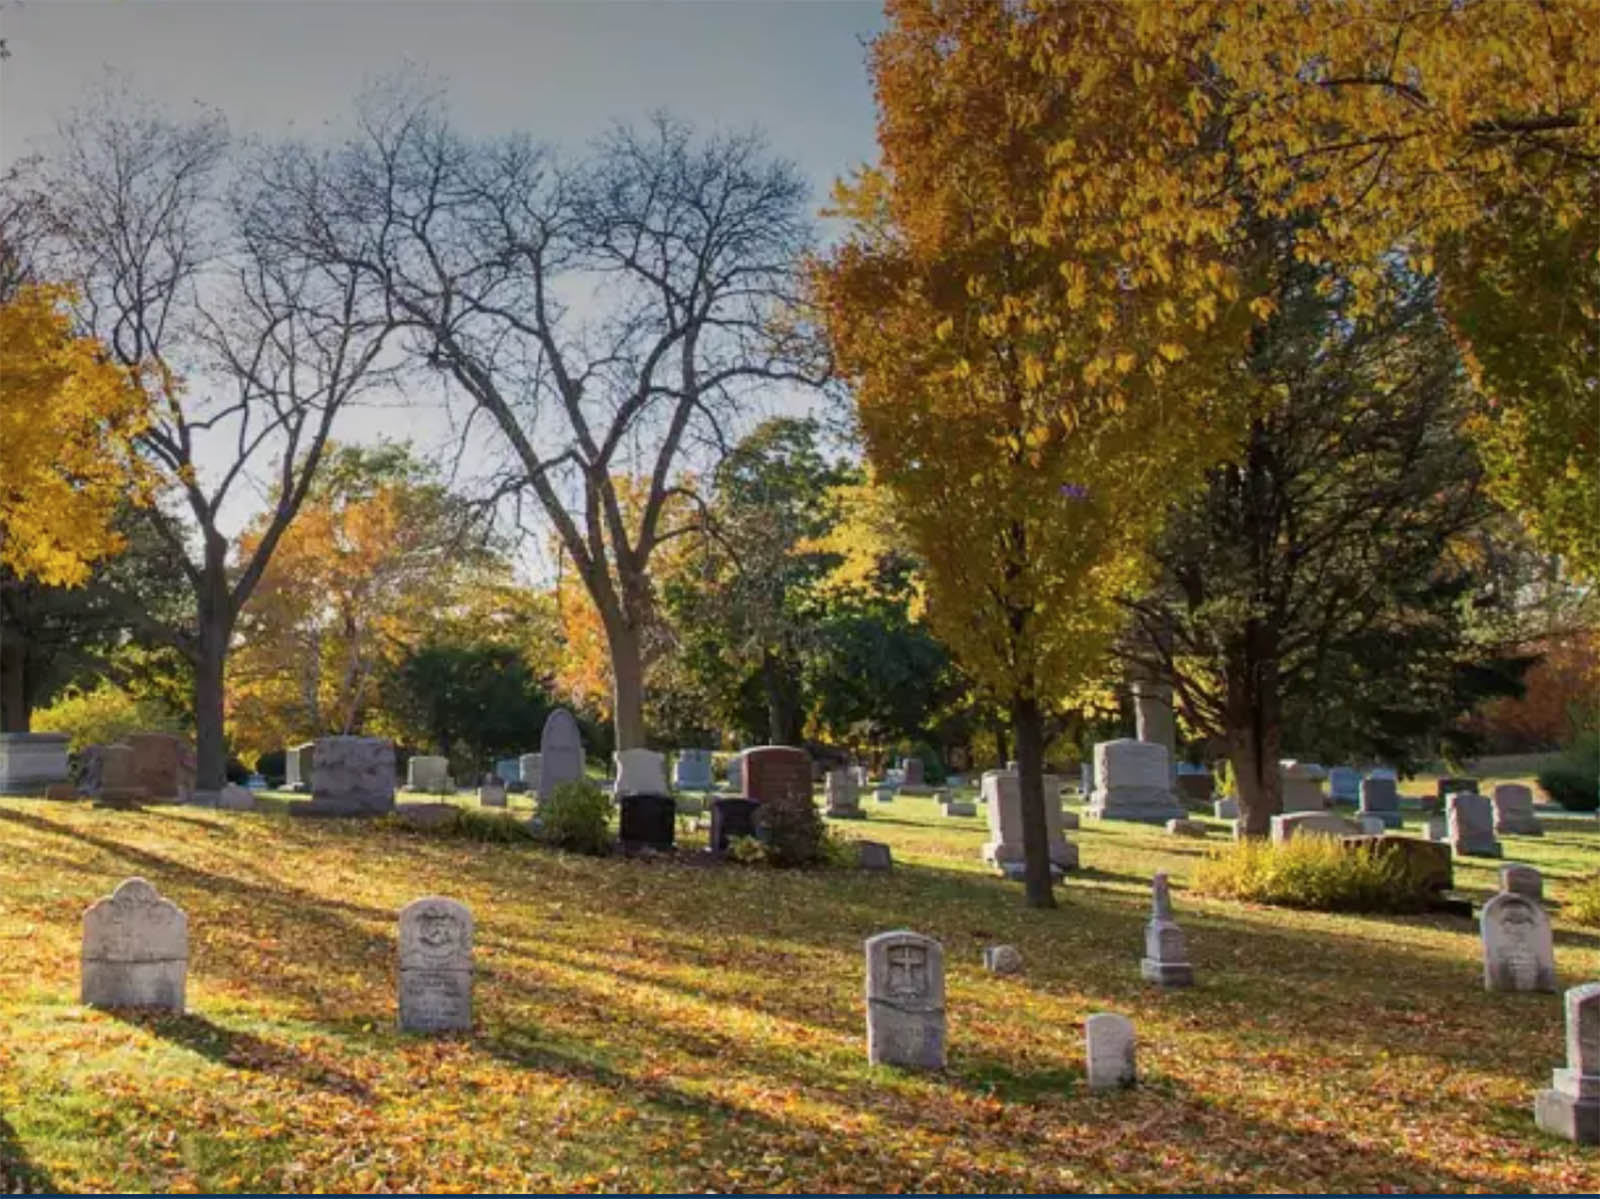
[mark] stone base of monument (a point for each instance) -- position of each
(339, 808)
(959, 807)
(1167, 974)
(1570, 1109)
(1142, 805)
(732, 818)
(852, 813)
(123, 799)
(1008, 859)
(648, 820)
(1389, 819)
(917, 789)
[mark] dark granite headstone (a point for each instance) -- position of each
(731, 818)
(648, 820)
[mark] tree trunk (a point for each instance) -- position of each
(1027, 722)
(627, 674)
(784, 722)
(16, 706)
(214, 614)
(1002, 743)
(1254, 737)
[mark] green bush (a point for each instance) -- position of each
(576, 815)
(793, 830)
(1573, 780)
(747, 851)
(933, 768)
(1582, 902)
(1313, 872)
(839, 852)
(466, 824)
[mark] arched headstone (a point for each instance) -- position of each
(560, 752)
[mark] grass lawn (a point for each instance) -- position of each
(643, 1025)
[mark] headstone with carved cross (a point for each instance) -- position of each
(905, 1001)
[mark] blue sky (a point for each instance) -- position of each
(561, 69)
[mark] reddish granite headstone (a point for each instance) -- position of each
(163, 765)
(772, 772)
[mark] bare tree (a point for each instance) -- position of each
(607, 316)
(247, 353)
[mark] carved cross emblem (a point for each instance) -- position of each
(908, 970)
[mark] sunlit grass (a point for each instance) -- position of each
(649, 1025)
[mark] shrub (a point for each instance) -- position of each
(793, 830)
(103, 714)
(1582, 904)
(1313, 872)
(467, 824)
(839, 852)
(1573, 780)
(273, 767)
(933, 770)
(576, 815)
(747, 851)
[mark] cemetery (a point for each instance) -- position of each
(914, 596)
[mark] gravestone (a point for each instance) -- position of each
(1108, 1051)
(560, 752)
(108, 775)
(1195, 786)
(1185, 828)
(957, 807)
(1371, 825)
(1344, 784)
(1570, 1107)
(1446, 786)
(492, 792)
(30, 762)
(692, 770)
(429, 773)
(163, 765)
(647, 820)
(911, 772)
(735, 772)
(1002, 959)
(1002, 802)
(883, 793)
(1321, 824)
(135, 950)
(1301, 783)
(1133, 783)
(873, 855)
(731, 817)
(1085, 777)
(435, 966)
(353, 776)
(859, 773)
(1513, 811)
(775, 772)
(1518, 952)
(1523, 880)
(839, 788)
(508, 771)
(1430, 863)
(234, 798)
(1166, 958)
(1470, 818)
(528, 768)
(640, 772)
(1154, 721)
(298, 763)
(905, 1001)
(1437, 828)
(1226, 808)
(1380, 799)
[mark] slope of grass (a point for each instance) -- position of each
(650, 1025)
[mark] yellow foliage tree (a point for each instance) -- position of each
(67, 421)
(1026, 376)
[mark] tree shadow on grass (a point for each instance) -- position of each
(19, 1174)
(240, 1050)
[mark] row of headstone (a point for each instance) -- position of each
(135, 954)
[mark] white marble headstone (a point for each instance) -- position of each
(1109, 1051)
(1518, 949)
(435, 966)
(135, 950)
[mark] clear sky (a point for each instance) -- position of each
(561, 69)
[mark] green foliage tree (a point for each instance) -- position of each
(476, 699)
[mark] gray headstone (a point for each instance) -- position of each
(735, 774)
(299, 763)
(1002, 959)
(1002, 803)
(30, 762)
(1320, 824)
(873, 855)
(1513, 811)
(1570, 1108)
(692, 770)
(1518, 951)
(843, 798)
(135, 950)
(1301, 784)
(1155, 722)
(427, 772)
(640, 772)
(912, 772)
(234, 798)
(351, 776)
(1166, 957)
(435, 966)
(528, 768)
(492, 792)
(560, 752)
(1226, 808)
(1185, 828)
(905, 1001)
(883, 793)
(1134, 783)
(1524, 880)
(1109, 1051)
(1344, 784)
(1380, 799)
(508, 770)
(1470, 820)
(958, 807)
